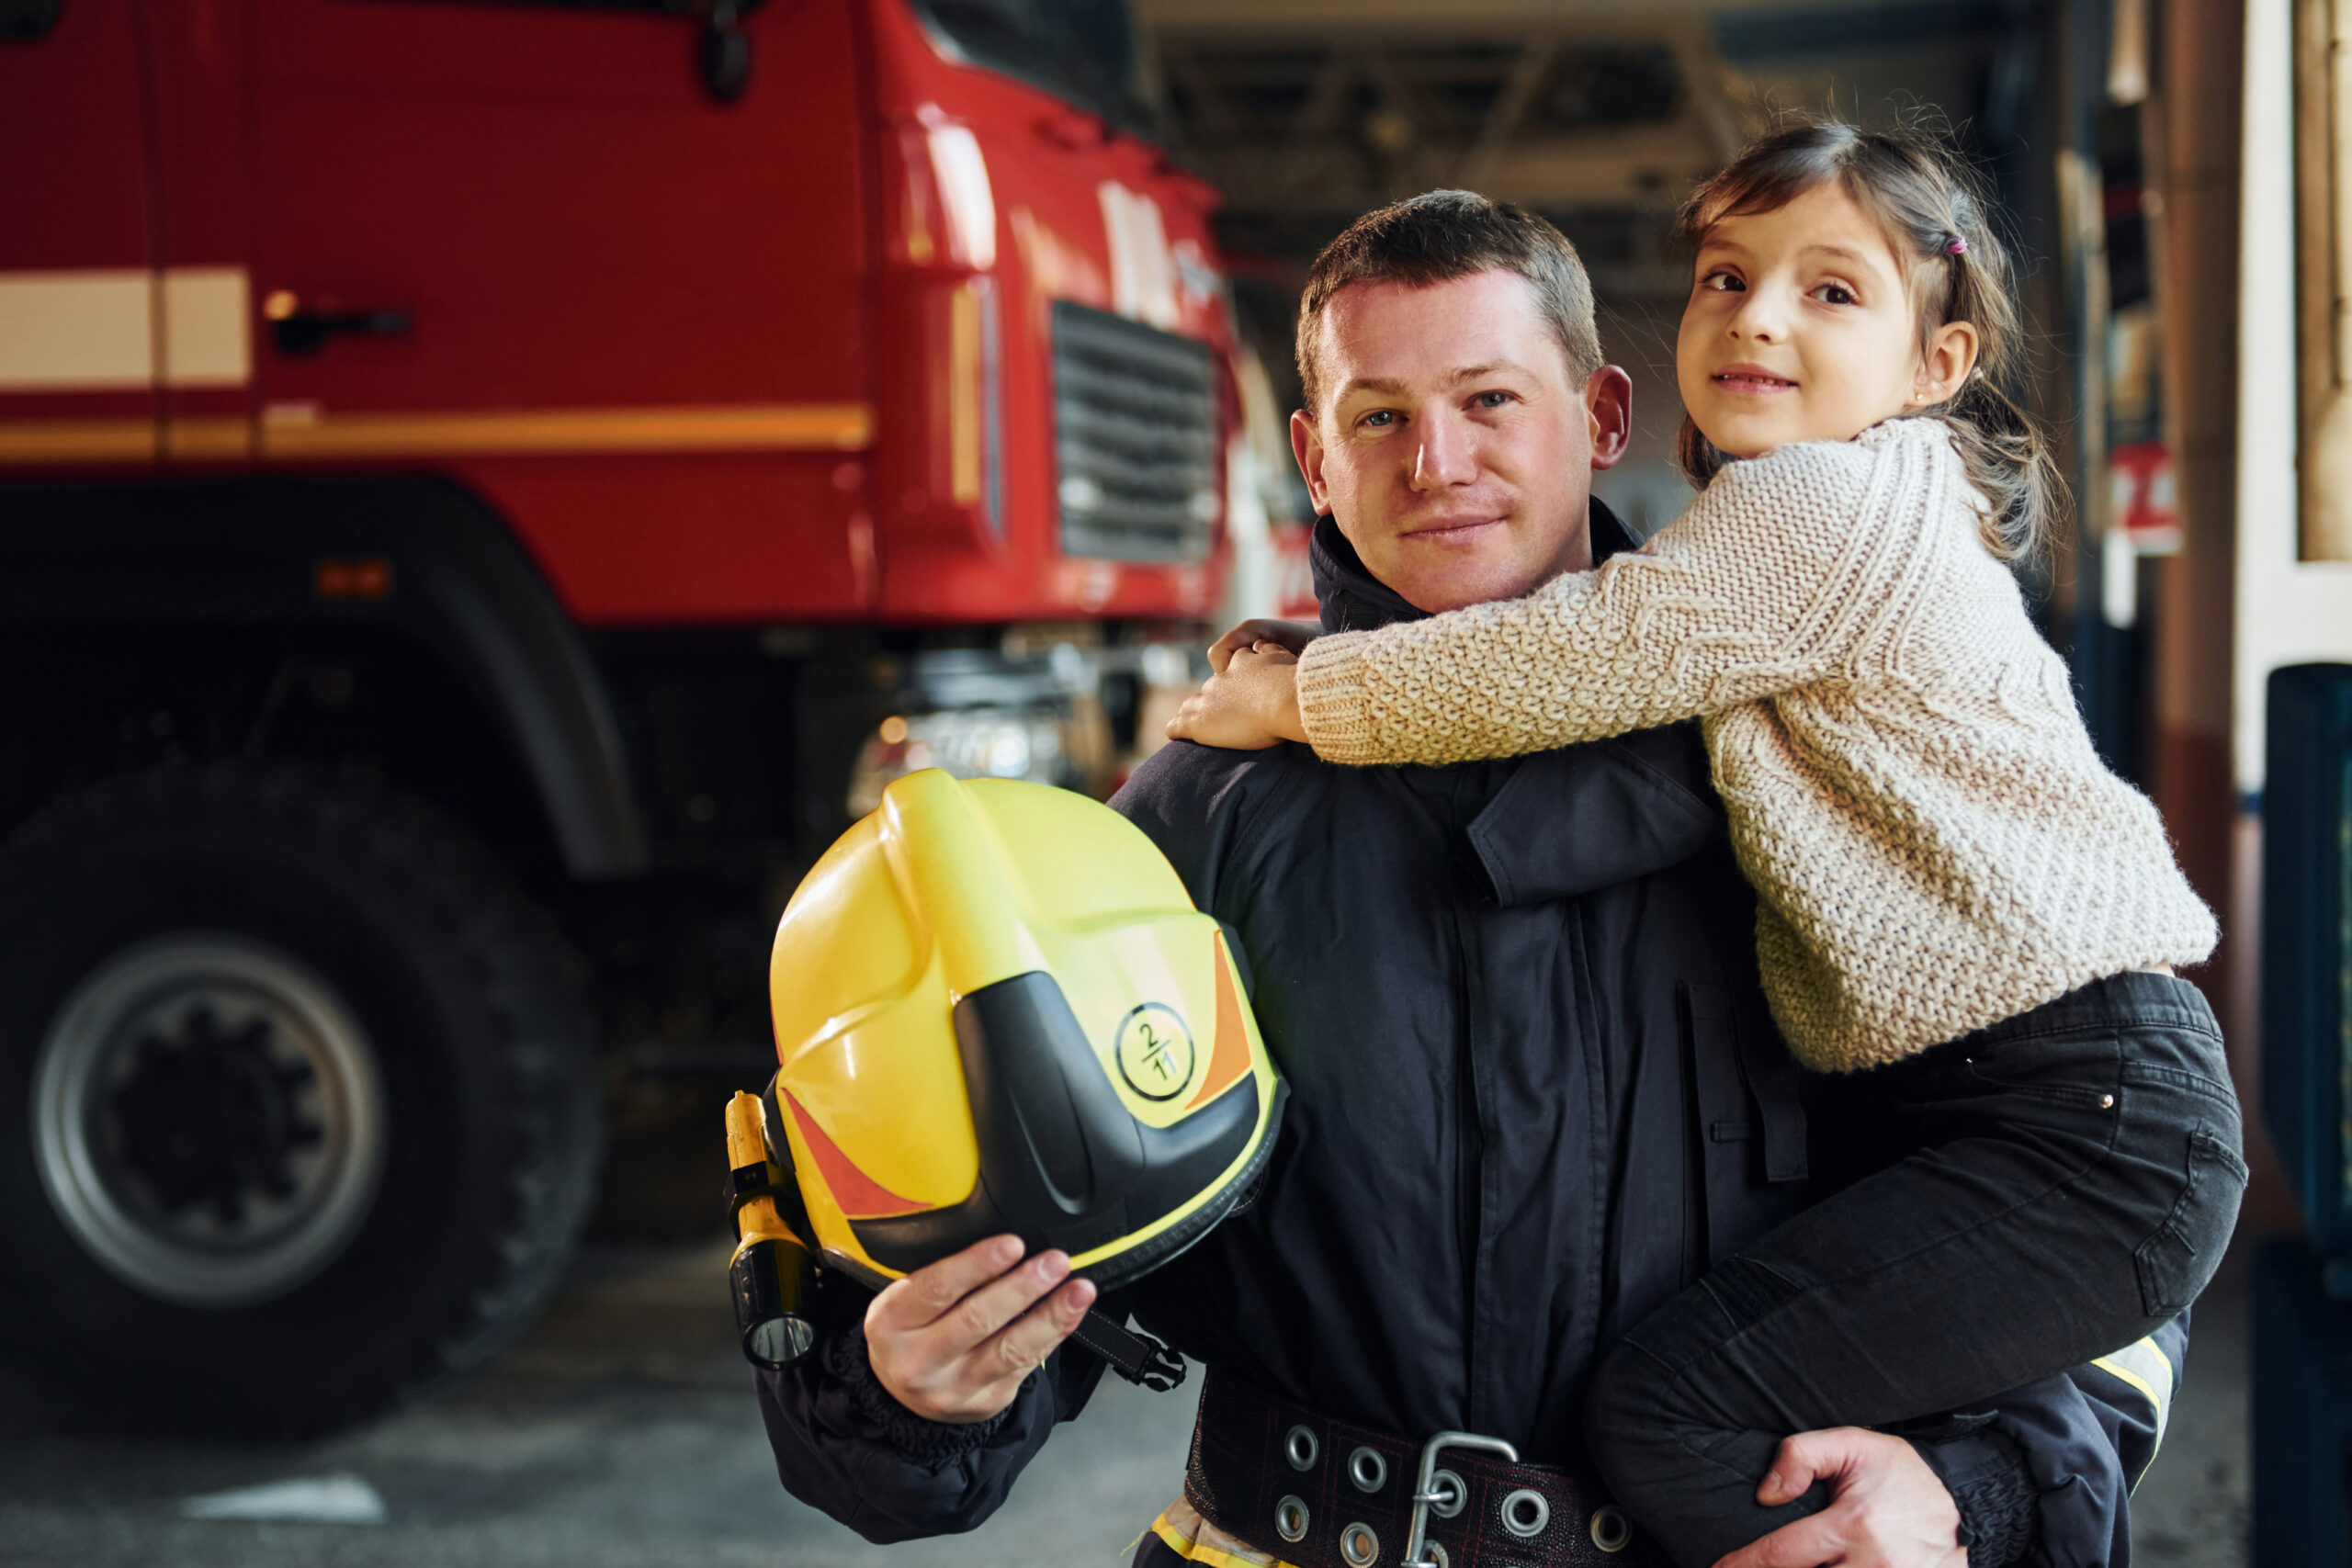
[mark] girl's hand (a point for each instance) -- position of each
(1292, 635)
(1251, 705)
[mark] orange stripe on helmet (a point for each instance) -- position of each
(860, 1196)
(1230, 1059)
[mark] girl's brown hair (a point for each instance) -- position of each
(1940, 223)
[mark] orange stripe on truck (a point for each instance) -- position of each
(77, 441)
(304, 431)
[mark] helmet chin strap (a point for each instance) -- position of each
(1130, 1352)
(1133, 1354)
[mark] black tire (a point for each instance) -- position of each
(137, 1316)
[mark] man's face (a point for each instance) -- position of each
(1453, 448)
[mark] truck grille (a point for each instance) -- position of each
(1135, 438)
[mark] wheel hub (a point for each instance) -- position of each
(212, 1115)
(208, 1118)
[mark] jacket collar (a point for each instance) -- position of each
(1563, 822)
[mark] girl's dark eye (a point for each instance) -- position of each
(1835, 294)
(1722, 282)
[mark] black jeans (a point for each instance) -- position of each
(2073, 1177)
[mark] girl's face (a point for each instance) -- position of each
(1800, 328)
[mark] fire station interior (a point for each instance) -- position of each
(603, 797)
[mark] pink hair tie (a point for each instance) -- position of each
(1955, 244)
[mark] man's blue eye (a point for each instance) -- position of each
(1379, 418)
(1493, 399)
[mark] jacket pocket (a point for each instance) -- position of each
(2176, 1262)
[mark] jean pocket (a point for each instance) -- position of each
(2171, 1082)
(2076, 1074)
(2177, 1261)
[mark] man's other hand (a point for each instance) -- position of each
(1251, 706)
(1887, 1509)
(953, 1340)
(1292, 635)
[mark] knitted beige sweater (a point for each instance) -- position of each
(1934, 842)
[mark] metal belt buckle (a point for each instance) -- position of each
(1449, 1500)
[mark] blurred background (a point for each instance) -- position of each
(489, 489)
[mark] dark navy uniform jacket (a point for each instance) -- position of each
(1534, 1092)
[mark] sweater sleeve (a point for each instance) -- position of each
(1761, 586)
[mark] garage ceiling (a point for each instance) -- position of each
(1307, 112)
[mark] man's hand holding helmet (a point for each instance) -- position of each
(953, 1340)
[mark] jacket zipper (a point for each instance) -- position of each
(1696, 1247)
(1470, 1165)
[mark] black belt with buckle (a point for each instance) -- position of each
(1326, 1493)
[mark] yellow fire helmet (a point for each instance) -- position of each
(996, 1011)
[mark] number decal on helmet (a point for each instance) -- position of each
(1155, 1051)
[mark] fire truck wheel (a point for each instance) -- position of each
(297, 1104)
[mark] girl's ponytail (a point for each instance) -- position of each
(2008, 461)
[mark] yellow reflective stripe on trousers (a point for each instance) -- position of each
(1193, 1552)
(1195, 1539)
(2144, 1367)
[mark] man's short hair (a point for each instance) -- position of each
(1443, 235)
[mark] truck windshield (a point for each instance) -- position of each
(1080, 50)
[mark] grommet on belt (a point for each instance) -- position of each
(1434, 1555)
(1448, 1497)
(1612, 1530)
(1290, 1518)
(1358, 1546)
(1300, 1448)
(1525, 1513)
(1368, 1470)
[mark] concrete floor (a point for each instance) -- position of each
(624, 1431)
(2191, 1510)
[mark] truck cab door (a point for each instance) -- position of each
(79, 355)
(521, 242)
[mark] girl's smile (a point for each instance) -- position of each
(1753, 380)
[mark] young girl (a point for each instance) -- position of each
(1956, 897)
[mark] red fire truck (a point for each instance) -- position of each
(485, 487)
